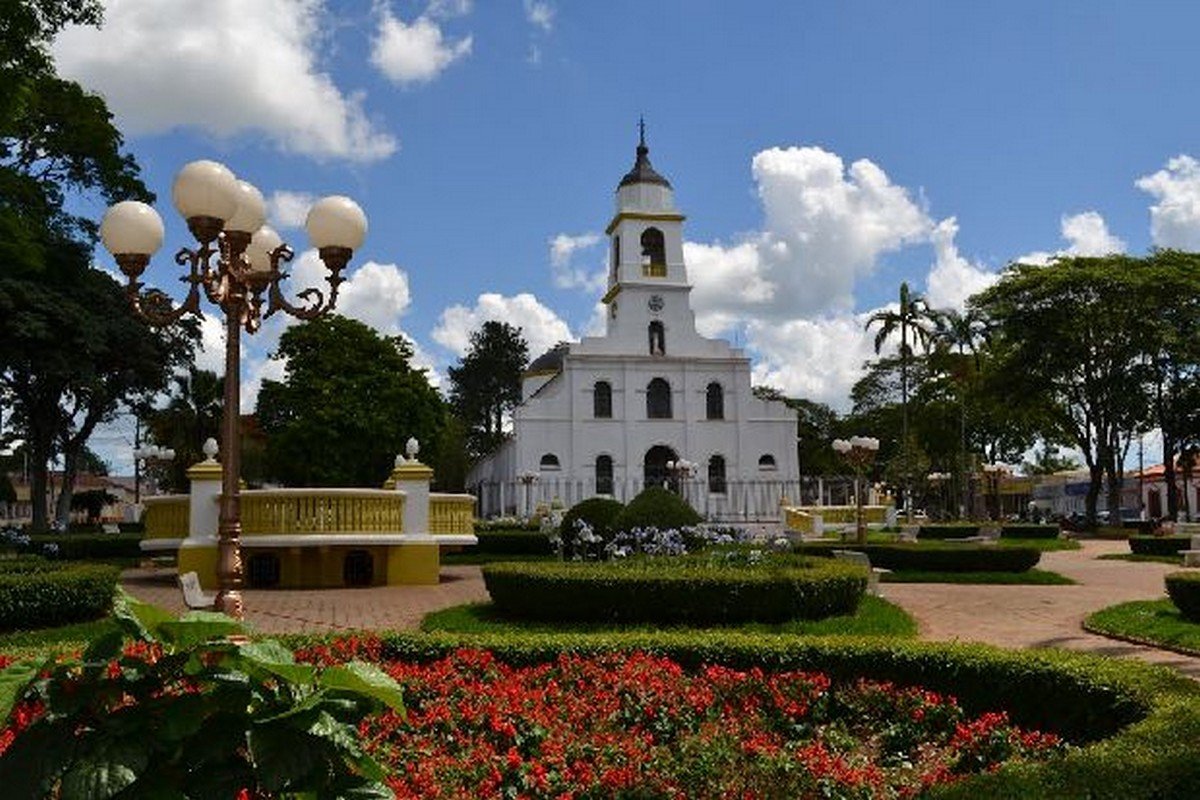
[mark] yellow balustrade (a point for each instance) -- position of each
(838, 515)
(298, 511)
(166, 516)
(799, 521)
(654, 270)
(451, 513)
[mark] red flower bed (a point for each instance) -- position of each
(635, 725)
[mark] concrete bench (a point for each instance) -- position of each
(193, 595)
(110, 527)
(873, 573)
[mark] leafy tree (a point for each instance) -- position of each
(191, 415)
(1072, 333)
(349, 402)
(93, 502)
(486, 385)
(450, 469)
(816, 428)
(91, 463)
(72, 350)
(1047, 461)
(914, 321)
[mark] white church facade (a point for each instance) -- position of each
(651, 401)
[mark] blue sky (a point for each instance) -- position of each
(823, 152)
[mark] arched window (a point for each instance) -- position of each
(654, 249)
(714, 401)
(602, 400)
(604, 475)
(766, 462)
(658, 399)
(549, 462)
(262, 570)
(716, 475)
(658, 339)
(358, 569)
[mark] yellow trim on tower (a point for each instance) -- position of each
(661, 217)
(611, 293)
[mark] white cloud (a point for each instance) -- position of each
(566, 276)
(825, 228)
(289, 209)
(447, 9)
(1175, 218)
(953, 278)
(226, 68)
(375, 294)
(540, 14)
(1086, 234)
(541, 327)
(819, 359)
(413, 53)
(210, 354)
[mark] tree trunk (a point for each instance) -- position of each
(38, 482)
(1168, 459)
(1096, 475)
(62, 511)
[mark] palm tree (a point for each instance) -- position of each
(965, 333)
(915, 321)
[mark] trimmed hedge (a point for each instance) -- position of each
(1159, 545)
(511, 543)
(1029, 532)
(680, 590)
(84, 546)
(656, 507)
(1184, 589)
(597, 512)
(936, 556)
(40, 594)
(1147, 717)
(947, 531)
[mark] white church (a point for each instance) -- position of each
(652, 402)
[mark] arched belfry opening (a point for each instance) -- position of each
(654, 248)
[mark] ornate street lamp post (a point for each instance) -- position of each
(680, 471)
(859, 452)
(239, 261)
(142, 455)
(528, 479)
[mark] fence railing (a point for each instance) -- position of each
(298, 511)
(732, 501)
(451, 513)
(166, 516)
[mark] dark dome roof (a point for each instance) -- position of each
(552, 359)
(643, 171)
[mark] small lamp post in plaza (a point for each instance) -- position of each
(939, 480)
(528, 479)
(142, 455)
(992, 473)
(237, 266)
(859, 452)
(679, 471)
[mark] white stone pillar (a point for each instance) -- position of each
(203, 510)
(413, 478)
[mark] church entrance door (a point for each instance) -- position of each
(654, 467)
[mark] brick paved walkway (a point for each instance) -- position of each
(325, 610)
(1008, 616)
(1043, 616)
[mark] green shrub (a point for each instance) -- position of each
(655, 507)
(84, 546)
(947, 531)
(598, 512)
(512, 543)
(1159, 545)
(1029, 532)
(39, 595)
(1184, 589)
(937, 556)
(676, 590)
(1144, 527)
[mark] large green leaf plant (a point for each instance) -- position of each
(190, 709)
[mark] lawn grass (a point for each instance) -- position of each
(875, 617)
(1175, 560)
(1153, 622)
(65, 638)
(475, 559)
(1044, 545)
(1036, 577)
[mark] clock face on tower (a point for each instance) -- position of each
(656, 303)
